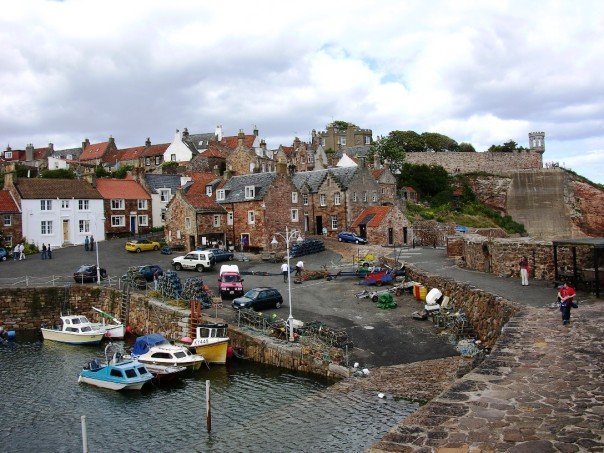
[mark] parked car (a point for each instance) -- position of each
(141, 245)
(3, 254)
(86, 273)
(347, 236)
(145, 274)
(196, 260)
(230, 283)
(259, 299)
(221, 255)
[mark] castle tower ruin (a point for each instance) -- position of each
(537, 141)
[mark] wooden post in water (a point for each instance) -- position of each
(208, 407)
(84, 435)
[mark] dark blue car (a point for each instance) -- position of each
(221, 255)
(347, 236)
(3, 254)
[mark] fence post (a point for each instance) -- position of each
(26, 280)
(84, 435)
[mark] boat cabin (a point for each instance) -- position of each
(76, 324)
(217, 330)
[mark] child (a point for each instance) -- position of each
(566, 294)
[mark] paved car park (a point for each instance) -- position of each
(381, 337)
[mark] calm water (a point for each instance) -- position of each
(254, 408)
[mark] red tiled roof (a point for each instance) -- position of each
(94, 151)
(127, 189)
(233, 142)
(288, 150)
(41, 153)
(372, 216)
(202, 201)
(130, 153)
(377, 173)
(155, 150)
(200, 180)
(410, 189)
(214, 151)
(7, 202)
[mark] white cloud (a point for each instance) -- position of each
(482, 72)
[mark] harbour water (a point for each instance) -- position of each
(254, 408)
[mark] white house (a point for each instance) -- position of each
(56, 163)
(184, 145)
(60, 212)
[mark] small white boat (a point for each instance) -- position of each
(76, 329)
(114, 330)
(154, 349)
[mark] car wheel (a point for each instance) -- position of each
(4, 258)
(138, 250)
(374, 299)
(199, 268)
(178, 266)
(156, 247)
(356, 242)
(340, 239)
(278, 304)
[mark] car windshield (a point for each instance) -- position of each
(84, 269)
(252, 294)
(230, 278)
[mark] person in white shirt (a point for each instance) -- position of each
(21, 251)
(299, 268)
(16, 253)
(284, 271)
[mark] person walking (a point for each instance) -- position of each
(49, 252)
(299, 268)
(43, 251)
(524, 270)
(86, 244)
(566, 295)
(156, 280)
(284, 271)
(16, 253)
(21, 252)
(91, 243)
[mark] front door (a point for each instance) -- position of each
(65, 230)
(245, 242)
(132, 224)
(405, 235)
(363, 231)
(390, 236)
(191, 242)
(319, 221)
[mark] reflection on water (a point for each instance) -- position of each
(254, 408)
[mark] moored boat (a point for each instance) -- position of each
(212, 342)
(114, 329)
(154, 349)
(75, 329)
(115, 374)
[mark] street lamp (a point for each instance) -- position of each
(289, 235)
(98, 269)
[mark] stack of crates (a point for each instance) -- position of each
(169, 285)
(306, 247)
(194, 289)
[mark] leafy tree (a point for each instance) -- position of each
(507, 147)
(60, 173)
(394, 146)
(341, 125)
(466, 148)
(438, 142)
(101, 172)
(122, 171)
(428, 180)
(23, 171)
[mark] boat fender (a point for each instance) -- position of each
(11, 334)
(229, 354)
(128, 329)
(186, 340)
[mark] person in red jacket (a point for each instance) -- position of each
(566, 294)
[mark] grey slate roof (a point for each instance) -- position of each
(315, 178)
(156, 182)
(354, 151)
(63, 153)
(198, 142)
(235, 187)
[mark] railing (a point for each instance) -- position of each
(28, 281)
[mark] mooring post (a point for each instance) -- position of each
(84, 435)
(208, 407)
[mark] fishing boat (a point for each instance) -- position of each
(114, 329)
(116, 374)
(75, 329)
(154, 349)
(212, 342)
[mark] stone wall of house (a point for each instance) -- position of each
(129, 207)
(240, 159)
(487, 313)
(279, 205)
(480, 162)
(329, 188)
(178, 230)
(12, 233)
(395, 220)
(501, 256)
(208, 229)
(362, 183)
(432, 233)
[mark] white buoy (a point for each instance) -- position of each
(381, 395)
(365, 371)
(356, 364)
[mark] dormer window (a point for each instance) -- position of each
(209, 191)
(250, 192)
(8, 154)
(220, 195)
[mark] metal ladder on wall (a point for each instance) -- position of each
(125, 304)
(194, 318)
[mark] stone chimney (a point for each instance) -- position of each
(297, 143)
(218, 132)
(376, 161)
(228, 173)
(263, 147)
(51, 148)
(111, 140)
(9, 175)
(255, 130)
(240, 137)
(185, 132)
(85, 143)
(281, 167)
(148, 142)
(216, 170)
(29, 153)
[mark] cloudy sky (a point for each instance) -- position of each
(479, 72)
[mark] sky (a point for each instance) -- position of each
(479, 72)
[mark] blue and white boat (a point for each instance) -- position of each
(154, 349)
(115, 374)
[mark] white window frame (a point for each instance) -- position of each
(8, 220)
(163, 214)
(165, 193)
(8, 154)
(342, 140)
(309, 159)
(365, 196)
(143, 220)
(374, 197)
(142, 205)
(83, 205)
(367, 140)
(46, 227)
(147, 161)
(188, 223)
(229, 217)
(294, 215)
(173, 159)
(84, 226)
(354, 196)
(118, 221)
(250, 192)
(322, 200)
(216, 220)
(220, 195)
(294, 197)
(334, 222)
(337, 198)
(251, 217)
(117, 204)
(8, 241)
(157, 160)
(45, 205)
(209, 191)
(64, 204)
(305, 199)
